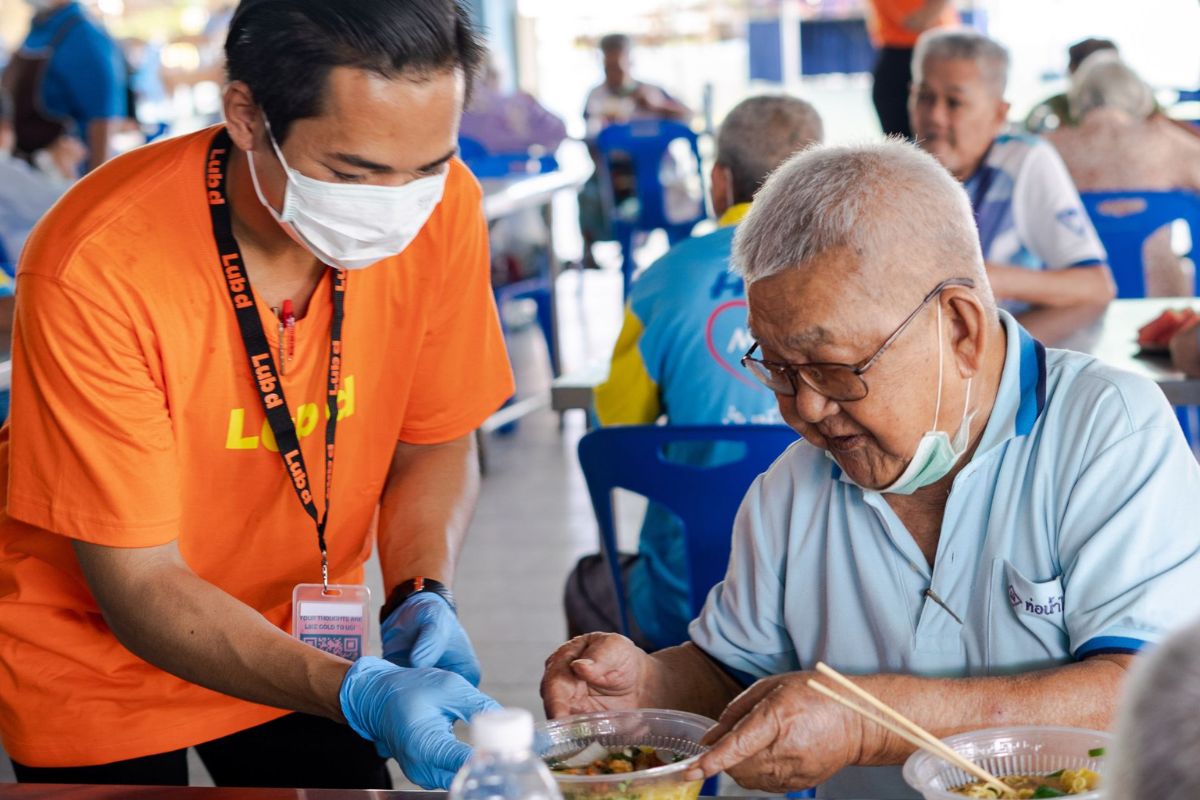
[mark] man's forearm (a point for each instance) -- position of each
(685, 678)
(427, 505)
(99, 141)
(1079, 695)
(1053, 287)
(167, 615)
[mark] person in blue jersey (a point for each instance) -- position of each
(984, 531)
(1038, 241)
(676, 357)
(68, 79)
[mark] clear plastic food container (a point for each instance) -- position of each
(1028, 750)
(676, 732)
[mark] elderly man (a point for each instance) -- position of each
(1038, 242)
(985, 530)
(685, 326)
(1121, 143)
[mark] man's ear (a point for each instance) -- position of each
(969, 325)
(721, 188)
(243, 118)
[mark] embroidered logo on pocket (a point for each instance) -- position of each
(1042, 599)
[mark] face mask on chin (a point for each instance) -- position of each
(349, 226)
(936, 453)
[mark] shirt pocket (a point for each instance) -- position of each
(1026, 621)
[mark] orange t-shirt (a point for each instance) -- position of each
(886, 24)
(136, 421)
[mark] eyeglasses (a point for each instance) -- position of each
(839, 382)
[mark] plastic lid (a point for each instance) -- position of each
(508, 730)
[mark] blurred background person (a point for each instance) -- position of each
(662, 365)
(1055, 112)
(509, 121)
(621, 98)
(69, 77)
(896, 26)
(1038, 241)
(1120, 143)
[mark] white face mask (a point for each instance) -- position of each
(349, 226)
(936, 454)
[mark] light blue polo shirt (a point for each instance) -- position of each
(1073, 531)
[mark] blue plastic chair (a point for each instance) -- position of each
(1125, 220)
(486, 164)
(705, 499)
(644, 143)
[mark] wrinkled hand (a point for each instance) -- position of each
(409, 715)
(425, 632)
(594, 672)
(781, 736)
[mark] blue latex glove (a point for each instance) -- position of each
(425, 632)
(409, 715)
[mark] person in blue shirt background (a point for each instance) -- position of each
(676, 356)
(1039, 244)
(69, 77)
(983, 530)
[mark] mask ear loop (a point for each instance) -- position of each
(262, 198)
(937, 409)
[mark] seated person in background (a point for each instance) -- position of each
(1055, 112)
(1120, 143)
(621, 98)
(509, 122)
(1038, 242)
(984, 530)
(685, 328)
(1154, 757)
(69, 77)
(506, 123)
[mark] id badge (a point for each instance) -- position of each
(335, 621)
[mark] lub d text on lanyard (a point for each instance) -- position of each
(262, 364)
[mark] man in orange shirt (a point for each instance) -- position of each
(895, 26)
(205, 327)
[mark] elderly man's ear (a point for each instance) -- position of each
(722, 188)
(970, 328)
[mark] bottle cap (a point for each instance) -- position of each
(508, 730)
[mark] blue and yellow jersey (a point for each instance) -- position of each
(678, 356)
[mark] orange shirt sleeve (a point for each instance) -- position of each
(92, 451)
(462, 373)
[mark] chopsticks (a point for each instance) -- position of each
(903, 727)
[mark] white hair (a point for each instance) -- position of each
(877, 199)
(1158, 725)
(963, 43)
(1103, 80)
(759, 134)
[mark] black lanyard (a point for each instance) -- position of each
(258, 351)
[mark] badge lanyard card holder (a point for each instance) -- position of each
(333, 618)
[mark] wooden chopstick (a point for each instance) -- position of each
(915, 735)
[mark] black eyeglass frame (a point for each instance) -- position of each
(793, 371)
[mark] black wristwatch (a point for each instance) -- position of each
(415, 586)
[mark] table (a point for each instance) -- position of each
(1110, 335)
(1106, 332)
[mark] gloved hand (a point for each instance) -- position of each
(425, 632)
(408, 714)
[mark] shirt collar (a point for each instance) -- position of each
(1021, 397)
(733, 215)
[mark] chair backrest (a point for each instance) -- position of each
(486, 164)
(645, 142)
(1125, 220)
(705, 498)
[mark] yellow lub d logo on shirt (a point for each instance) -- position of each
(306, 419)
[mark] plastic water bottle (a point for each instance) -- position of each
(503, 766)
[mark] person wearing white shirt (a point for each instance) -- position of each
(1038, 242)
(985, 530)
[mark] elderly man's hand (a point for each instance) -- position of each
(781, 736)
(595, 672)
